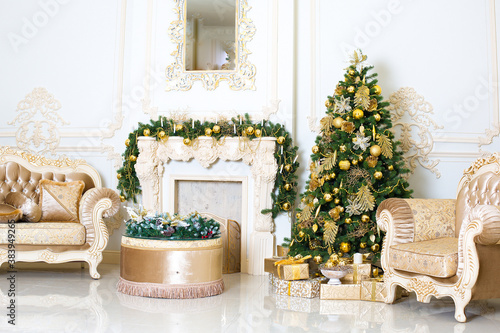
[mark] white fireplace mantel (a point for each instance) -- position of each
(257, 153)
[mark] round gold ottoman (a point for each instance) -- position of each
(171, 268)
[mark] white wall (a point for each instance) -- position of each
(93, 56)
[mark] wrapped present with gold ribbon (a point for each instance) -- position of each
(347, 291)
(282, 251)
(298, 288)
(360, 272)
(375, 290)
(288, 269)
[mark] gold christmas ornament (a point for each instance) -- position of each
(337, 122)
(377, 175)
(315, 227)
(146, 132)
(375, 247)
(336, 201)
(187, 141)
(327, 178)
(318, 259)
(377, 89)
(376, 116)
(250, 130)
(332, 175)
(358, 114)
(127, 142)
(360, 158)
(348, 220)
(340, 208)
(365, 218)
(288, 187)
(371, 161)
(362, 245)
(375, 271)
(390, 167)
(286, 206)
(119, 176)
(288, 167)
(351, 89)
(373, 105)
(301, 233)
(281, 140)
(328, 104)
(328, 197)
(298, 256)
(348, 127)
(298, 215)
(344, 165)
(342, 148)
(132, 158)
(375, 150)
(352, 72)
(335, 191)
(122, 198)
(258, 133)
(179, 127)
(315, 149)
(354, 162)
(162, 135)
(208, 132)
(216, 129)
(345, 247)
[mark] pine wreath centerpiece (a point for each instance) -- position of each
(144, 224)
(355, 166)
(285, 185)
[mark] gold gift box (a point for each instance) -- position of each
(299, 288)
(282, 251)
(347, 291)
(286, 272)
(361, 272)
(375, 290)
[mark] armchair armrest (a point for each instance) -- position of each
(95, 204)
(409, 220)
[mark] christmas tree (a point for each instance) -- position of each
(355, 166)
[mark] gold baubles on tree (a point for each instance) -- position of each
(352, 72)
(328, 197)
(345, 247)
(208, 132)
(122, 198)
(362, 245)
(286, 206)
(216, 129)
(179, 127)
(288, 187)
(298, 216)
(127, 142)
(337, 122)
(351, 89)
(315, 149)
(390, 168)
(348, 220)
(132, 158)
(146, 132)
(281, 140)
(344, 165)
(378, 175)
(288, 167)
(376, 116)
(119, 176)
(250, 130)
(375, 248)
(365, 218)
(375, 150)
(377, 89)
(162, 134)
(358, 114)
(258, 133)
(328, 104)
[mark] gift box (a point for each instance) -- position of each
(375, 290)
(345, 291)
(298, 288)
(286, 271)
(360, 272)
(282, 251)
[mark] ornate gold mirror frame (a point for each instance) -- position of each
(241, 78)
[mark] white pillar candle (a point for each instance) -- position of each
(240, 120)
(358, 258)
(262, 122)
(295, 159)
(174, 128)
(281, 150)
(234, 128)
(193, 123)
(161, 120)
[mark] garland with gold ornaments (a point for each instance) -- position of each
(285, 186)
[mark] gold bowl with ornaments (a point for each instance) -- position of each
(335, 273)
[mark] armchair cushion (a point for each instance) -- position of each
(45, 233)
(59, 200)
(9, 213)
(435, 257)
(31, 211)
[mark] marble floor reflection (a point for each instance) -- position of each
(68, 300)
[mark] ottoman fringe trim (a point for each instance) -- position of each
(157, 290)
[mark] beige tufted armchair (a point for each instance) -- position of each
(446, 247)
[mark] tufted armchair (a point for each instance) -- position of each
(445, 248)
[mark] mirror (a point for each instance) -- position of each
(211, 39)
(210, 35)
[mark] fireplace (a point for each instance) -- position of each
(161, 166)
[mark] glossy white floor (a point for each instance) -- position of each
(68, 300)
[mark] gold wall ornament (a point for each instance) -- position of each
(38, 122)
(288, 167)
(411, 119)
(132, 158)
(187, 141)
(250, 130)
(258, 133)
(241, 78)
(216, 129)
(208, 132)
(146, 132)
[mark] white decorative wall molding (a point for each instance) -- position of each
(258, 154)
(412, 126)
(38, 121)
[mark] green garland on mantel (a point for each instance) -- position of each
(285, 186)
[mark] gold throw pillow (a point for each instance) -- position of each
(9, 213)
(31, 211)
(59, 201)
